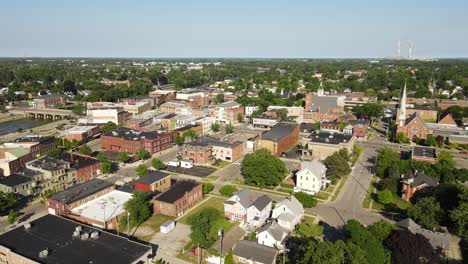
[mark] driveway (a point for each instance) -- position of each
(170, 244)
(230, 239)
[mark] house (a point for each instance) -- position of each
(359, 128)
(62, 202)
(426, 154)
(311, 178)
(178, 199)
(22, 183)
(51, 239)
(253, 253)
(104, 211)
(323, 144)
(288, 213)
(56, 174)
(280, 138)
(153, 181)
(414, 183)
(247, 208)
(198, 151)
(272, 235)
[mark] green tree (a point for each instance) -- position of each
(263, 169)
(385, 197)
(85, 150)
(106, 167)
(459, 216)
(373, 248)
(385, 158)
(54, 153)
(381, 229)
(240, 118)
(229, 259)
(431, 141)
(427, 213)
(401, 138)
(227, 190)
(229, 129)
(352, 253)
(207, 187)
(7, 201)
(108, 127)
(141, 170)
(191, 134)
(142, 154)
(139, 208)
(157, 164)
(370, 110)
(179, 140)
(215, 127)
(446, 159)
(307, 200)
(282, 114)
(219, 98)
(12, 216)
(123, 156)
(337, 166)
(205, 226)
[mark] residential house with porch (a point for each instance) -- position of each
(247, 208)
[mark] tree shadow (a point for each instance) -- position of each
(331, 233)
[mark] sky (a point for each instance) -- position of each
(234, 28)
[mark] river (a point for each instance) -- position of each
(12, 126)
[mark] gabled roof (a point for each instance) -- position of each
(261, 202)
(292, 204)
(415, 116)
(274, 229)
(152, 176)
(446, 119)
(314, 166)
(420, 179)
(246, 197)
(255, 252)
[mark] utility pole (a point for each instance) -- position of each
(221, 234)
(128, 225)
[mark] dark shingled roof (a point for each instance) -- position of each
(80, 191)
(152, 176)
(255, 252)
(330, 138)
(177, 191)
(14, 180)
(261, 202)
(420, 179)
(279, 131)
(426, 152)
(416, 116)
(131, 134)
(55, 234)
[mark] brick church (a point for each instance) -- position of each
(413, 126)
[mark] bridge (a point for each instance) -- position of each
(43, 113)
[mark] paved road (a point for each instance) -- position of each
(348, 205)
(32, 212)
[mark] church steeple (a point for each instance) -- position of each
(402, 111)
(320, 90)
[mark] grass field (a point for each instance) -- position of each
(212, 202)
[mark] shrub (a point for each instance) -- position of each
(207, 187)
(227, 190)
(305, 199)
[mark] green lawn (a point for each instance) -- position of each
(330, 188)
(212, 177)
(367, 200)
(340, 186)
(213, 202)
(156, 221)
(322, 195)
(308, 228)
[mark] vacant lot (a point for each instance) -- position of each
(213, 202)
(194, 171)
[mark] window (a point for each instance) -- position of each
(414, 129)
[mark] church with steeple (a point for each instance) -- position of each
(413, 126)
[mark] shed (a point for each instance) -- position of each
(186, 164)
(173, 163)
(167, 226)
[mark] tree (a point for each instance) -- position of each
(227, 190)
(337, 166)
(381, 229)
(12, 216)
(431, 141)
(445, 159)
(157, 164)
(385, 158)
(409, 248)
(205, 226)
(344, 154)
(427, 213)
(219, 98)
(263, 169)
(179, 140)
(7, 201)
(371, 111)
(373, 248)
(282, 114)
(229, 129)
(229, 259)
(459, 217)
(142, 154)
(240, 118)
(215, 127)
(352, 253)
(401, 138)
(307, 200)
(139, 207)
(190, 134)
(54, 153)
(207, 187)
(106, 167)
(141, 170)
(108, 127)
(385, 197)
(85, 150)
(123, 156)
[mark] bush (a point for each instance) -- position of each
(207, 187)
(307, 200)
(263, 169)
(385, 197)
(227, 190)
(287, 185)
(157, 164)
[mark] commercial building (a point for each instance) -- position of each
(61, 203)
(178, 199)
(80, 133)
(427, 154)
(206, 123)
(198, 151)
(86, 167)
(135, 108)
(227, 112)
(321, 145)
(49, 101)
(115, 115)
(280, 138)
(126, 139)
(35, 145)
(56, 174)
(153, 181)
(265, 121)
(52, 239)
(22, 183)
(103, 211)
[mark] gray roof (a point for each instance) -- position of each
(261, 202)
(81, 191)
(437, 239)
(279, 131)
(330, 138)
(426, 152)
(255, 252)
(274, 229)
(314, 166)
(292, 204)
(152, 176)
(324, 104)
(246, 197)
(421, 179)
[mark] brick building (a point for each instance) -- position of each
(177, 200)
(80, 133)
(61, 203)
(49, 101)
(427, 154)
(198, 151)
(417, 182)
(280, 138)
(153, 181)
(86, 167)
(126, 139)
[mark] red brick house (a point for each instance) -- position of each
(280, 138)
(87, 168)
(61, 203)
(198, 151)
(126, 139)
(177, 200)
(153, 181)
(417, 182)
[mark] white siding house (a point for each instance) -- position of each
(311, 178)
(289, 212)
(271, 235)
(247, 208)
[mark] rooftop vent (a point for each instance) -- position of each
(27, 226)
(78, 228)
(85, 236)
(95, 235)
(76, 234)
(44, 253)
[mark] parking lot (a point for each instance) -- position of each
(194, 171)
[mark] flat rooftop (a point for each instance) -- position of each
(105, 207)
(152, 176)
(279, 131)
(330, 138)
(425, 152)
(78, 129)
(81, 191)
(131, 134)
(48, 163)
(55, 234)
(177, 191)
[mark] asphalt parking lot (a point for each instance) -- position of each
(196, 171)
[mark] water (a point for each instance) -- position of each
(12, 126)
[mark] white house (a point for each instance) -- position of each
(244, 206)
(271, 235)
(311, 178)
(288, 213)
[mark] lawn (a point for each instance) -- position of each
(322, 195)
(330, 188)
(156, 221)
(340, 186)
(308, 228)
(214, 202)
(367, 200)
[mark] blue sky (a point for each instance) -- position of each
(236, 28)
